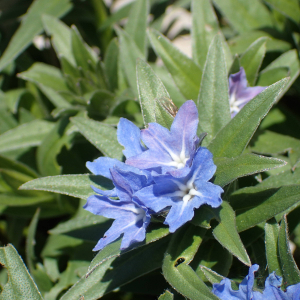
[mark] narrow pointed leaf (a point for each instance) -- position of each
(108, 271)
(226, 233)
(289, 8)
(61, 37)
(245, 15)
(175, 264)
(204, 28)
(137, 23)
(271, 241)
(31, 26)
(254, 205)
(27, 135)
(20, 285)
(102, 136)
(72, 185)
(290, 271)
(151, 89)
(252, 58)
(235, 136)
(111, 64)
(213, 100)
(186, 74)
(229, 169)
(166, 296)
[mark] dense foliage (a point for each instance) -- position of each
(80, 79)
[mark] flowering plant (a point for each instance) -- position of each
(134, 168)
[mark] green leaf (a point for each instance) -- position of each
(84, 56)
(111, 64)
(46, 75)
(239, 43)
(290, 271)
(229, 169)
(20, 285)
(71, 185)
(226, 233)
(102, 136)
(30, 241)
(271, 76)
(137, 23)
(129, 53)
(151, 89)
(254, 205)
(27, 135)
(252, 58)
(166, 296)
(7, 121)
(205, 27)
(289, 8)
(288, 59)
(108, 271)
(213, 255)
(51, 147)
(7, 163)
(13, 199)
(271, 241)
(60, 37)
(31, 26)
(186, 74)
(13, 98)
(232, 139)
(213, 100)
(178, 273)
(245, 15)
(211, 276)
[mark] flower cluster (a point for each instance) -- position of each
(165, 171)
(239, 91)
(272, 289)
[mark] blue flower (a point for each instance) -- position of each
(239, 93)
(180, 196)
(272, 289)
(168, 151)
(131, 216)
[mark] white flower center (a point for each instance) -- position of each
(186, 191)
(179, 161)
(139, 212)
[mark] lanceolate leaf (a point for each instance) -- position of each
(252, 58)
(254, 205)
(27, 135)
(229, 169)
(232, 139)
(290, 271)
(226, 233)
(72, 185)
(186, 74)
(151, 89)
(32, 26)
(271, 241)
(166, 296)
(175, 264)
(108, 271)
(137, 23)
(245, 15)
(213, 100)
(20, 285)
(102, 136)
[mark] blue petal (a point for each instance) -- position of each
(156, 196)
(166, 147)
(293, 292)
(101, 166)
(129, 136)
(210, 193)
(107, 193)
(203, 167)
(114, 209)
(237, 82)
(224, 291)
